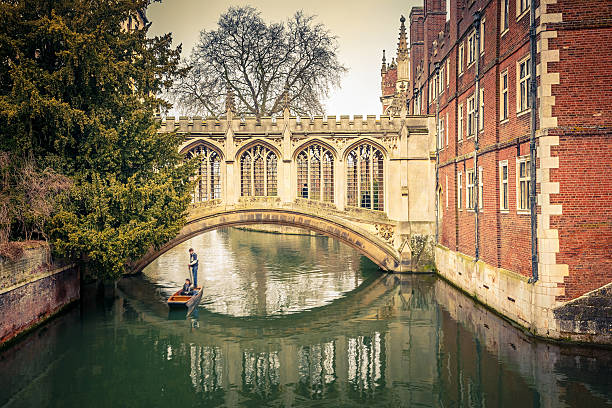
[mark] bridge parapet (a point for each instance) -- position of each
(317, 124)
(367, 181)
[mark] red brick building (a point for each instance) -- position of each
(471, 68)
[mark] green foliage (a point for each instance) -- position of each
(78, 93)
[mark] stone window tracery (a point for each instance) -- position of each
(258, 172)
(365, 177)
(315, 173)
(208, 174)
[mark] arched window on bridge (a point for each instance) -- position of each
(208, 186)
(365, 177)
(258, 172)
(315, 173)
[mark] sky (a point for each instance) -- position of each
(364, 29)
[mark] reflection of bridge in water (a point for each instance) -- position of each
(368, 183)
(364, 345)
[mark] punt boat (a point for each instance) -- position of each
(178, 301)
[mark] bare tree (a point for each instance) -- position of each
(258, 62)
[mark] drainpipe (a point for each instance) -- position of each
(477, 131)
(533, 89)
(437, 211)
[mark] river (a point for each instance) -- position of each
(291, 320)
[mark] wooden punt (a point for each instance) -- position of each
(178, 301)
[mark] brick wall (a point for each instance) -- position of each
(575, 103)
(31, 290)
(585, 225)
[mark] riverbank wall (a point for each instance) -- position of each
(533, 306)
(33, 289)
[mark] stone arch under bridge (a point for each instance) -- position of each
(377, 246)
(369, 182)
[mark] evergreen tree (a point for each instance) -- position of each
(78, 94)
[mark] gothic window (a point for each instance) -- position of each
(365, 177)
(208, 174)
(315, 173)
(258, 172)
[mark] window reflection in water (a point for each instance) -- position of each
(316, 369)
(206, 369)
(366, 363)
(260, 373)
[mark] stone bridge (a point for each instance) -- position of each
(369, 183)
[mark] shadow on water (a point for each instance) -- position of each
(392, 340)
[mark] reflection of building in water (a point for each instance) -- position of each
(366, 362)
(316, 369)
(413, 339)
(206, 368)
(260, 372)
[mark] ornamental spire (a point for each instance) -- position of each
(383, 70)
(229, 99)
(402, 45)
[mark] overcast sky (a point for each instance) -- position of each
(363, 28)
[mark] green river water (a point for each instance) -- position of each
(289, 320)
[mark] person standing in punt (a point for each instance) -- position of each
(193, 264)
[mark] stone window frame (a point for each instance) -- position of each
(482, 35)
(460, 123)
(209, 177)
(470, 189)
(504, 183)
(376, 195)
(521, 110)
(503, 93)
(522, 8)
(505, 17)
(471, 57)
(320, 183)
(461, 57)
(459, 189)
(446, 191)
(523, 184)
(447, 129)
(470, 116)
(441, 133)
(481, 111)
(480, 190)
(260, 182)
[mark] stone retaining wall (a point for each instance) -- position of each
(31, 291)
(587, 319)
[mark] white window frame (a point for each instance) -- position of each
(446, 190)
(460, 124)
(480, 188)
(469, 189)
(447, 72)
(447, 129)
(504, 101)
(521, 8)
(522, 196)
(482, 35)
(481, 111)
(502, 183)
(441, 133)
(470, 128)
(459, 189)
(519, 82)
(441, 81)
(505, 17)
(471, 48)
(461, 57)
